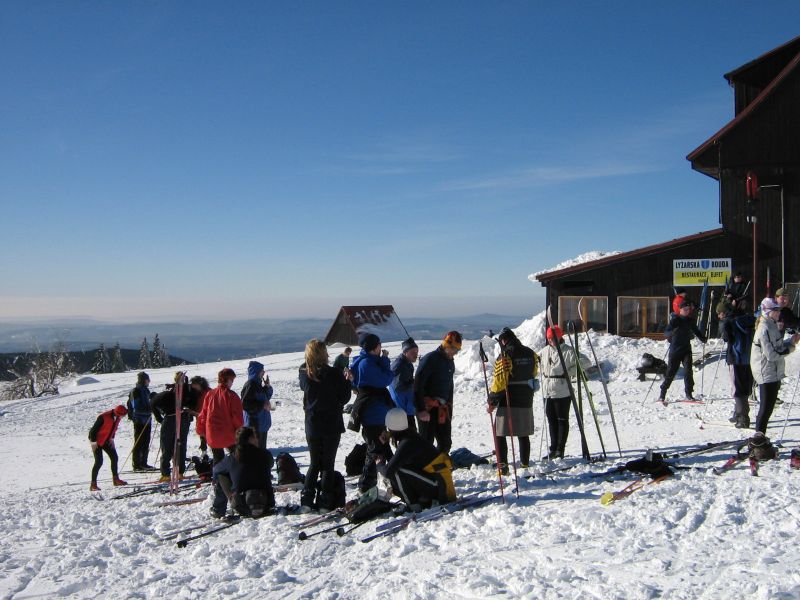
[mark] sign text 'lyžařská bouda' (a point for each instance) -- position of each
(696, 271)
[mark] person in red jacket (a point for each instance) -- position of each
(201, 389)
(221, 416)
(101, 439)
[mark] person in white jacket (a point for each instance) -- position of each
(767, 360)
(555, 389)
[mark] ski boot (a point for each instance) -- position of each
(795, 459)
(93, 487)
(118, 482)
(164, 479)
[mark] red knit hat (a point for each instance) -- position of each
(120, 411)
(225, 374)
(452, 340)
(554, 330)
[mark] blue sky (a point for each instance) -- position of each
(263, 159)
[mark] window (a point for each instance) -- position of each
(586, 312)
(642, 316)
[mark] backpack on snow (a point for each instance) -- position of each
(368, 506)
(761, 448)
(203, 466)
(354, 462)
(288, 471)
(652, 465)
(336, 497)
(649, 364)
(464, 458)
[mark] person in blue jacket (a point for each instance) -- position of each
(371, 374)
(142, 415)
(256, 394)
(402, 387)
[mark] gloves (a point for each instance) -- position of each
(94, 446)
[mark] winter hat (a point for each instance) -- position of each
(452, 340)
(781, 292)
(723, 307)
(409, 344)
(142, 377)
(396, 420)
(225, 374)
(768, 305)
(506, 335)
(254, 368)
(369, 341)
(120, 411)
(556, 331)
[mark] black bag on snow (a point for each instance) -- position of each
(336, 497)
(288, 471)
(354, 462)
(761, 447)
(369, 510)
(203, 466)
(463, 458)
(655, 466)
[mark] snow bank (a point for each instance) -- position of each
(85, 381)
(578, 260)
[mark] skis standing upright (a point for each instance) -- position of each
(584, 446)
(175, 476)
(582, 379)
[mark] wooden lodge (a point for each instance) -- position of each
(630, 293)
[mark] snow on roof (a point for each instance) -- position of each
(583, 258)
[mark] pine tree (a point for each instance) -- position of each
(157, 353)
(165, 362)
(144, 356)
(102, 364)
(117, 363)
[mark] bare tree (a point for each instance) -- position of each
(39, 373)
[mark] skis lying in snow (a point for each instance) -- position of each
(729, 464)
(611, 497)
(182, 502)
(397, 525)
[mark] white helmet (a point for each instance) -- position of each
(396, 420)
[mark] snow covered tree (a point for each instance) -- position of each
(39, 373)
(144, 356)
(158, 354)
(117, 363)
(102, 363)
(165, 362)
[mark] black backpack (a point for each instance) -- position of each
(761, 447)
(464, 458)
(288, 471)
(336, 497)
(354, 462)
(203, 467)
(129, 404)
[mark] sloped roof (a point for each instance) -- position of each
(623, 256)
(768, 64)
(382, 320)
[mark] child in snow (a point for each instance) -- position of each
(101, 439)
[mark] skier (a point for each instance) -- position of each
(325, 392)
(142, 422)
(767, 360)
(513, 369)
(679, 332)
(164, 405)
(243, 478)
(737, 289)
(101, 439)
(433, 392)
(256, 396)
(402, 387)
(370, 374)
(200, 388)
(221, 416)
(555, 389)
(343, 360)
(420, 474)
(737, 328)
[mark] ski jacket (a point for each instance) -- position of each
(163, 404)
(680, 332)
(250, 473)
(738, 332)
(554, 382)
(140, 401)
(768, 351)
(200, 402)
(402, 386)
(324, 400)
(221, 417)
(371, 376)
(255, 399)
(512, 370)
(434, 378)
(737, 290)
(413, 452)
(104, 428)
(341, 362)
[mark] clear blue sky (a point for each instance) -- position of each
(238, 159)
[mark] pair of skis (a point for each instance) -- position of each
(639, 484)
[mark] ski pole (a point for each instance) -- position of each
(484, 360)
(544, 423)
(136, 443)
(182, 543)
(605, 391)
(583, 379)
(779, 443)
(513, 445)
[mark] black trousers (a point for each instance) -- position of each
(168, 443)
(437, 433)
(418, 487)
(673, 364)
(141, 435)
(217, 455)
(98, 461)
(557, 412)
(768, 394)
(375, 448)
(742, 388)
(322, 457)
(524, 449)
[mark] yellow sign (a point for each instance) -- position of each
(688, 272)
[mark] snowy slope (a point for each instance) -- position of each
(697, 536)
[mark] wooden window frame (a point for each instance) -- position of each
(644, 334)
(563, 324)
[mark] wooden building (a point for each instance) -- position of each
(629, 293)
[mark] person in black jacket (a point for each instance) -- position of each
(419, 473)
(244, 478)
(433, 392)
(513, 370)
(738, 327)
(164, 405)
(680, 332)
(325, 392)
(142, 417)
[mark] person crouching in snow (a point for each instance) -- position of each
(402, 387)
(101, 439)
(243, 478)
(256, 396)
(420, 474)
(221, 416)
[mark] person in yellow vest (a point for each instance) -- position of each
(420, 474)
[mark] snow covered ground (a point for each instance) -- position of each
(695, 536)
